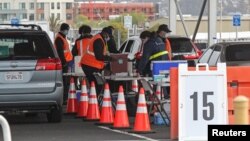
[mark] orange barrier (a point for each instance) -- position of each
(174, 103)
(142, 124)
(93, 109)
(72, 106)
(107, 115)
(238, 83)
(121, 116)
(83, 104)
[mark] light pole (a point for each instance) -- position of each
(220, 20)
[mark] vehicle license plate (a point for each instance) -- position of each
(14, 76)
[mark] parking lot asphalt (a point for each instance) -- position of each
(36, 128)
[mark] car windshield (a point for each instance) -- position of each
(25, 47)
(181, 45)
(238, 52)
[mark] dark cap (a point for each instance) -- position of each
(107, 30)
(64, 26)
(164, 27)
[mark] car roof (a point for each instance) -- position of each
(20, 27)
(170, 36)
(231, 43)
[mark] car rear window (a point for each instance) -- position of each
(181, 45)
(238, 52)
(23, 46)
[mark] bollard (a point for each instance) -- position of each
(241, 110)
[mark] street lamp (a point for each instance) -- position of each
(220, 20)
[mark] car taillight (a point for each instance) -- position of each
(199, 53)
(48, 64)
(138, 55)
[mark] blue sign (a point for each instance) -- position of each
(14, 21)
(236, 20)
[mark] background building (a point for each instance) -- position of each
(104, 10)
(36, 10)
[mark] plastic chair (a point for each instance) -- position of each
(153, 101)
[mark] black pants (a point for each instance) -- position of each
(66, 83)
(89, 74)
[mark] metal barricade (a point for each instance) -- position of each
(6, 129)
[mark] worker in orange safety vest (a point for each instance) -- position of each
(63, 49)
(93, 60)
(82, 42)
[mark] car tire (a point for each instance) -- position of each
(55, 115)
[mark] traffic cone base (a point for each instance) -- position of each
(83, 106)
(107, 116)
(72, 105)
(71, 109)
(93, 113)
(121, 116)
(146, 128)
(83, 102)
(121, 120)
(142, 124)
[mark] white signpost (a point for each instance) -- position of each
(202, 100)
(128, 23)
(236, 23)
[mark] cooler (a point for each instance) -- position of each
(163, 67)
(160, 69)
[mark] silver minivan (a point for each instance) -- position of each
(30, 72)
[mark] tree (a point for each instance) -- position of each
(138, 18)
(119, 27)
(80, 20)
(54, 25)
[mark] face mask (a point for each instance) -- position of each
(65, 32)
(107, 39)
(166, 35)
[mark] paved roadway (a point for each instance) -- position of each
(36, 128)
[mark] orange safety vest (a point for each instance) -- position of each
(89, 57)
(168, 48)
(82, 46)
(67, 53)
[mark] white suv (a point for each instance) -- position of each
(182, 48)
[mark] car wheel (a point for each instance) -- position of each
(55, 115)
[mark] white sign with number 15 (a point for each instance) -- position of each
(202, 100)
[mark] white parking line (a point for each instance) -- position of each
(126, 133)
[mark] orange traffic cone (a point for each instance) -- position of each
(121, 116)
(72, 101)
(93, 109)
(142, 124)
(107, 116)
(83, 104)
(135, 86)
